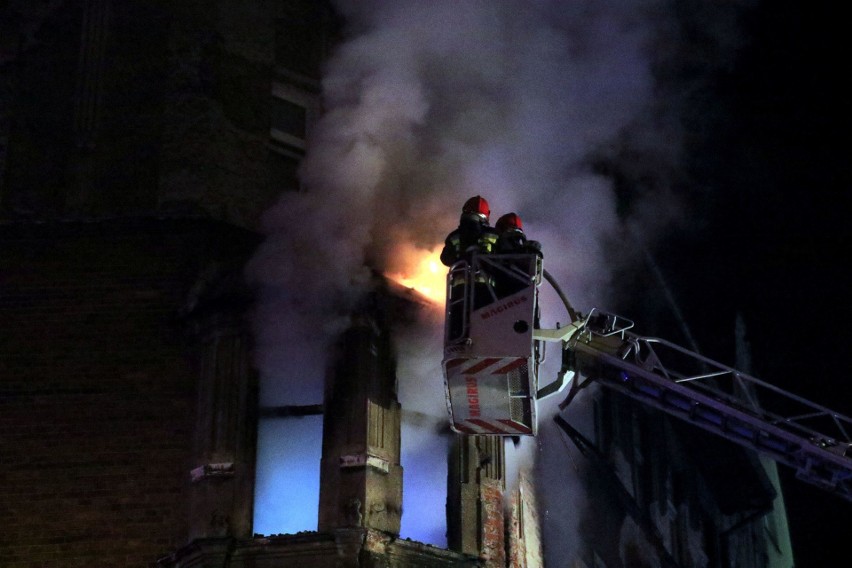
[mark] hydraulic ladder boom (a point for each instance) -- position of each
(493, 346)
(808, 437)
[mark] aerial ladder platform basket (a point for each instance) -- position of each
(491, 354)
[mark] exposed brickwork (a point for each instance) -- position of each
(97, 390)
(523, 529)
(517, 549)
(493, 537)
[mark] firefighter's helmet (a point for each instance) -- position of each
(508, 222)
(477, 205)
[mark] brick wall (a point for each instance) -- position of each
(97, 390)
(493, 532)
(523, 528)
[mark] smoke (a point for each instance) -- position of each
(536, 105)
(428, 103)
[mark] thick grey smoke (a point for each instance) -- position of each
(429, 103)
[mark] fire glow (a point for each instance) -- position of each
(421, 270)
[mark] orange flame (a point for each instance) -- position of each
(422, 271)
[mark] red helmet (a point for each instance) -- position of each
(477, 205)
(509, 221)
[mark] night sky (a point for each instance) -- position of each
(771, 230)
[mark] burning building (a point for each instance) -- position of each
(163, 305)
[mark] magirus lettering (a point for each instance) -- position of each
(503, 307)
(472, 396)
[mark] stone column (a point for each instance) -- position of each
(360, 471)
(475, 520)
(222, 475)
(223, 463)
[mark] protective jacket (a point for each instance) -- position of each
(514, 241)
(472, 235)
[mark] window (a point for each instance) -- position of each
(294, 110)
(289, 118)
(603, 422)
(288, 474)
(282, 168)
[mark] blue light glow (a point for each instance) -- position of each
(288, 466)
(424, 496)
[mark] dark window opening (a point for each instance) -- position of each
(283, 171)
(289, 118)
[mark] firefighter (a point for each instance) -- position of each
(473, 235)
(511, 237)
(512, 240)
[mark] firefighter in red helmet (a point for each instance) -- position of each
(511, 237)
(477, 205)
(511, 240)
(473, 234)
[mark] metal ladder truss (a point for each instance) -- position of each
(806, 436)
